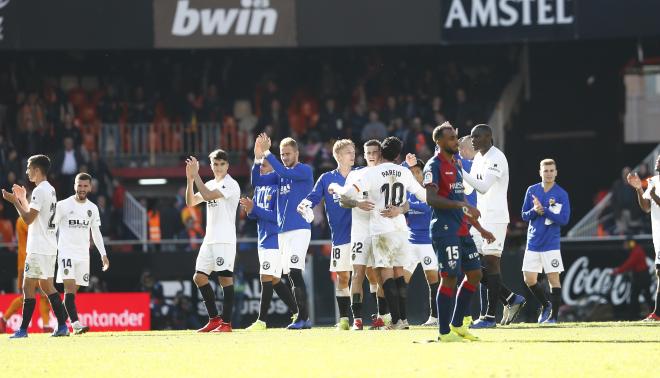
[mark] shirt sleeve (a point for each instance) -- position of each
(414, 187)
(299, 172)
(318, 191)
(528, 213)
(564, 214)
(257, 179)
(230, 190)
(59, 210)
(38, 199)
(96, 217)
(651, 184)
(431, 174)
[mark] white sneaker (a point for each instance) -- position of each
(396, 326)
(79, 329)
(431, 322)
(406, 325)
(387, 319)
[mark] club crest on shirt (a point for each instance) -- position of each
(551, 201)
(89, 213)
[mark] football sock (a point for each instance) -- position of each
(506, 296)
(402, 290)
(70, 304)
(493, 284)
(463, 297)
(555, 298)
(343, 301)
(28, 310)
(208, 295)
(284, 292)
(266, 296)
(382, 306)
(300, 293)
(392, 298)
(483, 299)
(538, 293)
(356, 306)
(58, 308)
(433, 289)
(227, 303)
(444, 308)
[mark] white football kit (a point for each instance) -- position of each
(41, 239)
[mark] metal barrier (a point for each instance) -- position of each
(161, 143)
(135, 218)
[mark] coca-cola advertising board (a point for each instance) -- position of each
(101, 312)
(588, 272)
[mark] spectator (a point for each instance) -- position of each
(624, 204)
(375, 129)
(66, 163)
(331, 125)
(170, 223)
(274, 123)
(100, 171)
(640, 279)
(105, 215)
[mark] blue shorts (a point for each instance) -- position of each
(456, 253)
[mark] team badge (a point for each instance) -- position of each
(220, 261)
(27, 267)
(554, 263)
(86, 277)
(427, 260)
(266, 265)
(353, 257)
(89, 213)
(294, 259)
(334, 263)
(66, 272)
(551, 201)
(428, 178)
(452, 264)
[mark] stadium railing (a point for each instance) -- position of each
(135, 218)
(587, 228)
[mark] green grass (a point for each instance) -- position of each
(575, 349)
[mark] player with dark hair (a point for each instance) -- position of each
(489, 176)
(387, 184)
(218, 250)
(649, 201)
(38, 213)
(450, 237)
(295, 180)
(75, 217)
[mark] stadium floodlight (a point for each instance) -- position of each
(152, 181)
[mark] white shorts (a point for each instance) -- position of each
(495, 248)
(548, 261)
(294, 245)
(216, 257)
(361, 252)
(270, 262)
(73, 269)
(656, 246)
(340, 258)
(390, 249)
(424, 254)
(40, 266)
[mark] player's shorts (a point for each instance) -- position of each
(361, 252)
(390, 249)
(294, 245)
(40, 266)
(495, 248)
(73, 269)
(216, 257)
(270, 262)
(340, 258)
(539, 262)
(424, 254)
(456, 253)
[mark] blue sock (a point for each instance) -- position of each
(444, 308)
(462, 303)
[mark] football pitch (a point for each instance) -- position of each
(569, 349)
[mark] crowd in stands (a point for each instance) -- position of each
(622, 215)
(61, 104)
